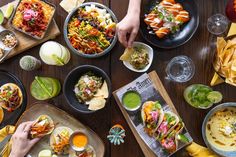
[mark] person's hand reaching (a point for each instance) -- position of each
(128, 29)
(21, 145)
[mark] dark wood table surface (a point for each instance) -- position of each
(200, 48)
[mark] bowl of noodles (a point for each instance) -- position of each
(90, 30)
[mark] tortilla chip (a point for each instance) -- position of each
(96, 103)
(220, 43)
(103, 91)
(127, 54)
(231, 82)
(227, 56)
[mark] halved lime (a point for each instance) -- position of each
(1, 17)
(43, 88)
(214, 97)
(10, 9)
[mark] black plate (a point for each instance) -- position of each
(10, 118)
(179, 38)
(72, 79)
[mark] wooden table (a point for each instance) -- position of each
(200, 48)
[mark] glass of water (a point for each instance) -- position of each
(180, 69)
(217, 24)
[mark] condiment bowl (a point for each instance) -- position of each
(74, 147)
(150, 54)
(133, 109)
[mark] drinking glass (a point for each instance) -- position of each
(180, 69)
(217, 24)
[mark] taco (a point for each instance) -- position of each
(169, 121)
(10, 96)
(170, 142)
(42, 126)
(89, 152)
(152, 116)
(59, 140)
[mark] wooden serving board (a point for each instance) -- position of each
(60, 118)
(159, 87)
(26, 42)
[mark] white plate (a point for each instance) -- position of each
(150, 54)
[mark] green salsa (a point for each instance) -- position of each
(131, 100)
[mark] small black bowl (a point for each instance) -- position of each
(72, 79)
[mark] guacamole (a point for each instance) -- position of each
(139, 58)
(88, 85)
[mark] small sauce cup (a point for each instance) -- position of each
(131, 100)
(79, 141)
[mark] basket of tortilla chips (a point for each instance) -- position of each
(225, 61)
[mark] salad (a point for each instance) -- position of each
(91, 30)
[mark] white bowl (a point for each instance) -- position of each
(150, 54)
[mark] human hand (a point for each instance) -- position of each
(128, 28)
(21, 145)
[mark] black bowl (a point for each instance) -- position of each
(10, 118)
(72, 79)
(179, 38)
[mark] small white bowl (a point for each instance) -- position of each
(150, 54)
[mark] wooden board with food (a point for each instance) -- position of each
(25, 41)
(60, 132)
(160, 131)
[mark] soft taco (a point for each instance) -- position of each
(89, 152)
(152, 116)
(170, 142)
(59, 140)
(42, 126)
(167, 125)
(10, 96)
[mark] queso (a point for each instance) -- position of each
(221, 129)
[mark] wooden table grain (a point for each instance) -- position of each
(200, 48)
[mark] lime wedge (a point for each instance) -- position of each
(10, 9)
(182, 138)
(1, 17)
(214, 96)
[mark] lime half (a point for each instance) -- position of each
(1, 17)
(9, 11)
(214, 96)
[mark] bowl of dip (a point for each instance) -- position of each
(79, 141)
(131, 100)
(219, 129)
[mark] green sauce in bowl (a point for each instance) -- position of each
(131, 100)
